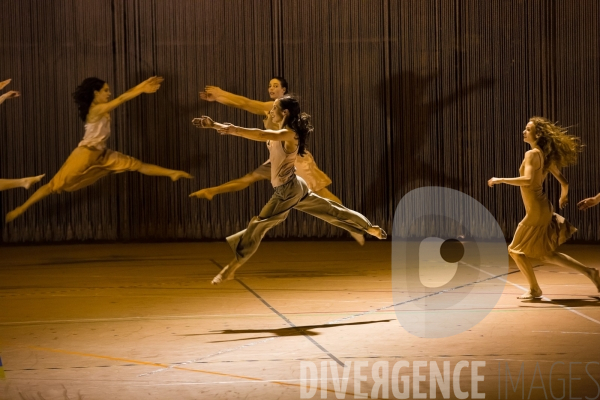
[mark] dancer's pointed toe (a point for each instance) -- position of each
(377, 232)
(226, 274)
(203, 194)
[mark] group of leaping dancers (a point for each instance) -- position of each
(298, 182)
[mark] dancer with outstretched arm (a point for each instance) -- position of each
(589, 202)
(285, 145)
(21, 182)
(306, 167)
(92, 160)
(11, 94)
(542, 231)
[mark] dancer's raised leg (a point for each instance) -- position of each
(526, 269)
(325, 193)
(231, 186)
(566, 261)
(155, 170)
(37, 196)
(23, 182)
(245, 243)
(338, 215)
(328, 195)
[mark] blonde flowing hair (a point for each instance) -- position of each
(559, 148)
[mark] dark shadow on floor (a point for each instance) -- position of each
(306, 330)
(593, 301)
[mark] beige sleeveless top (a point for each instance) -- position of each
(282, 163)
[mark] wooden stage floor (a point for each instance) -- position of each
(141, 321)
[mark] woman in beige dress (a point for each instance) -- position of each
(92, 160)
(22, 182)
(542, 231)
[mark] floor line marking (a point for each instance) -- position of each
(290, 323)
(543, 297)
(327, 323)
(249, 378)
(419, 298)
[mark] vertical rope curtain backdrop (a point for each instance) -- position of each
(403, 94)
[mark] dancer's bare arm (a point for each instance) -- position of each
(564, 185)
(531, 162)
(9, 95)
(215, 93)
(207, 122)
(150, 85)
(589, 202)
(260, 135)
(4, 83)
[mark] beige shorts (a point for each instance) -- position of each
(86, 165)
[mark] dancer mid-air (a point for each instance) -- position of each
(306, 167)
(22, 182)
(542, 231)
(92, 160)
(284, 145)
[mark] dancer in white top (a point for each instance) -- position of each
(92, 160)
(22, 182)
(284, 144)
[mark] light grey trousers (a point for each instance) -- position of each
(294, 194)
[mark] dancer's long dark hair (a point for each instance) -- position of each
(559, 148)
(297, 121)
(84, 95)
(283, 83)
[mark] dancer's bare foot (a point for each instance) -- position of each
(359, 237)
(13, 214)
(377, 232)
(531, 294)
(180, 174)
(203, 194)
(27, 182)
(226, 274)
(595, 277)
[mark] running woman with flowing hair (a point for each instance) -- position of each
(542, 231)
